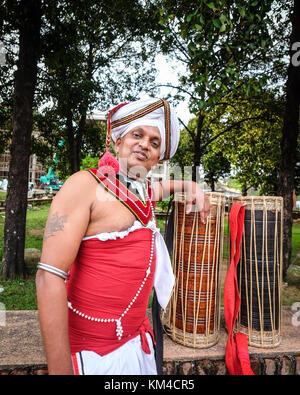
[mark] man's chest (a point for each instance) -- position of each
(108, 214)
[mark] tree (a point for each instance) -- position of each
(5, 127)
(226, 47)
(253, 149)
(184, 153)
(27, 21)
(70, 40)
(102, 62)
(215, 166)
(290, 133)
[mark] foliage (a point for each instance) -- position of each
(228, 48)
(215, 166)
(184, 154)
(102, 62)
(93, 55)
(254, 148)
(88, 162)
(297, 169)
(251, 147)
(222, 43)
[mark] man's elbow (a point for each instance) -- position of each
(47, 283)
(39, 280)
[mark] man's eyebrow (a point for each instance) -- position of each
(157, 136)
(137, 130)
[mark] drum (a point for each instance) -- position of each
(192, 317)
(259, 271)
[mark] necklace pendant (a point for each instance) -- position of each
(119, 329)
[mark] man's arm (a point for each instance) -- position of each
(194, 195)
(66, 226)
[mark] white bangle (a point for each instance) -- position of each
(53, 270)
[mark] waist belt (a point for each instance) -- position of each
(236, 356)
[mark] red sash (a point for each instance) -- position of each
(237, 356)
(113, 184)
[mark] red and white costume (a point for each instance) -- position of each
(111, 280)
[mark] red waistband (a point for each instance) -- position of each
(80, 340)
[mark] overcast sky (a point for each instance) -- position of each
(167, 74)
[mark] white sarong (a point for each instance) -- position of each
(129, 359)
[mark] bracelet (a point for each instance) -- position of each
(53, 270)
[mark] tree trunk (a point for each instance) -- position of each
(25, 82)
(289, 140)
(75, 142)
(244, 190)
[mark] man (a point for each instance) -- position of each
(101, 231)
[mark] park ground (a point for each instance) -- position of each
(19, 294)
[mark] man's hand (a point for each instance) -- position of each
(197, 200)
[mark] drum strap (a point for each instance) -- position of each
(236, 356)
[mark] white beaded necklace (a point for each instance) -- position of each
(119, 328)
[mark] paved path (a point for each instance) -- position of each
(21, 344)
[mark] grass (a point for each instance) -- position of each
(19, 294)
(291, 291)
(36, 220)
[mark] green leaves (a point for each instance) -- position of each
(211, 5)
(216, 22)
(189, 17)
(222, 28)
(242, 11)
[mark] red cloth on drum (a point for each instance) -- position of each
(104, 279)
(236, 356)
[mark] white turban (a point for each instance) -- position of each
(148, 112)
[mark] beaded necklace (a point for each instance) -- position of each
(118, 321)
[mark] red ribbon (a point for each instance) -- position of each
(144, 340)
(236, 356)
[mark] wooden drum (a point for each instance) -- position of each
(192, 317)
(259, 271)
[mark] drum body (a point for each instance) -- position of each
(192, 317)
(259, 271)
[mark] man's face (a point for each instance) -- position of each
(139, 149)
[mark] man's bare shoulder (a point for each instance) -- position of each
(79, 187)
(80, 177)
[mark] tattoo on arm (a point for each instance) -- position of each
(55, 223)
